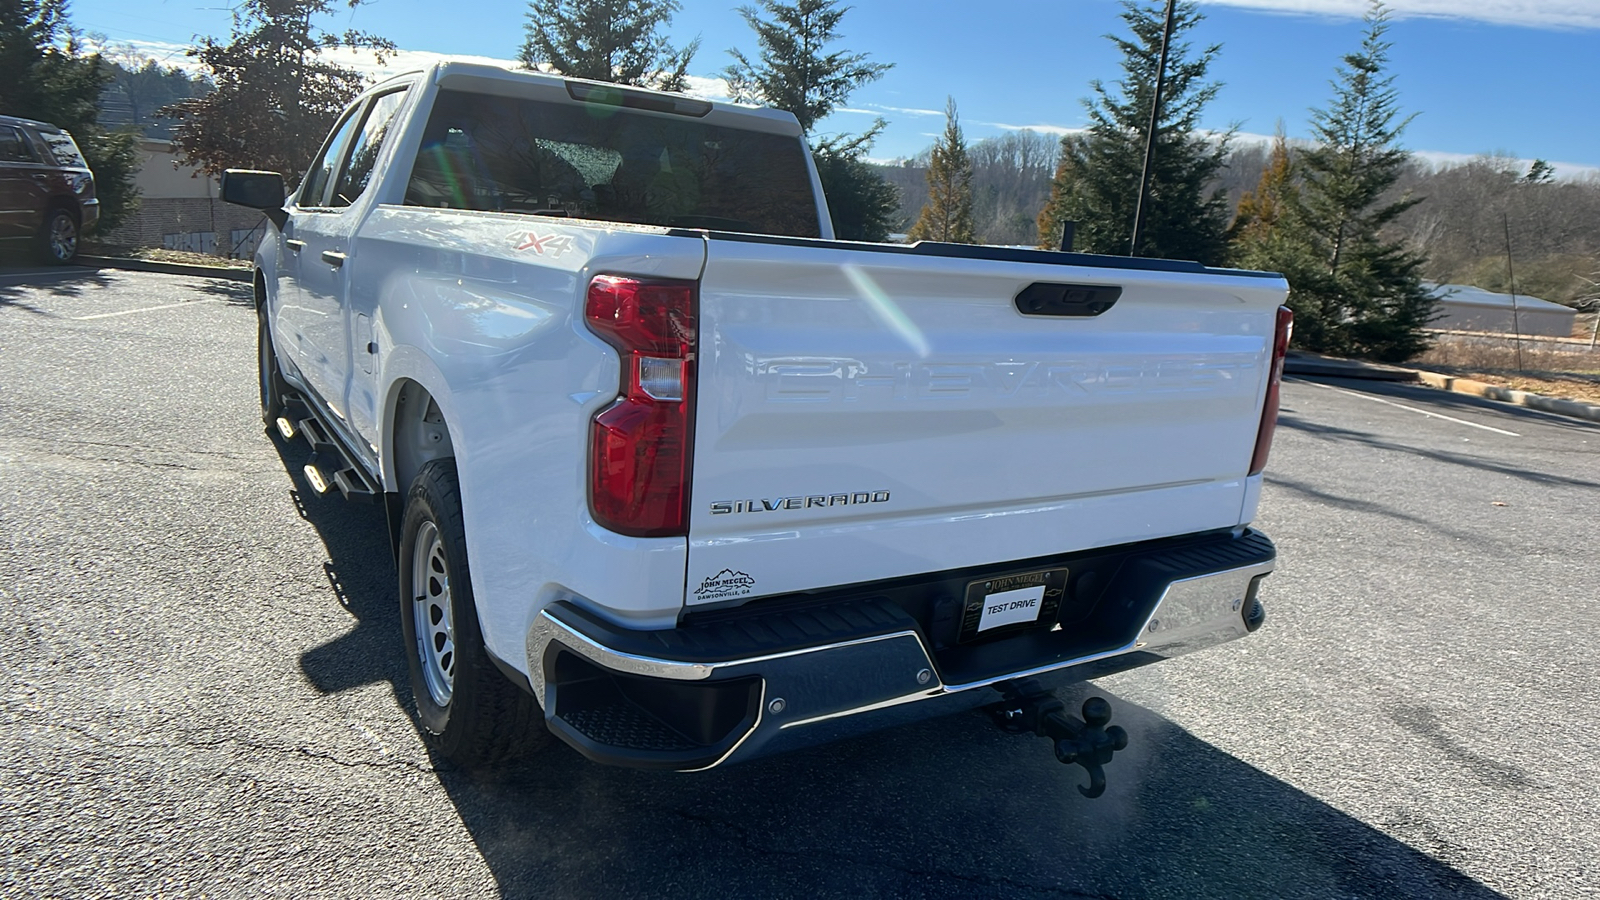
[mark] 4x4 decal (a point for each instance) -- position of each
(557, 244)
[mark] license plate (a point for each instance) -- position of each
(1010, 603)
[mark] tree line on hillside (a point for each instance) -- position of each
(1342, 215)
(1459, 227)
(141, 89)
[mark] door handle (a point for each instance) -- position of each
(295, 245)
(333, 258)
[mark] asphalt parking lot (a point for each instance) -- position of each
(204, 694)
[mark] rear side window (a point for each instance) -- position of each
(63, 149)
(13, 146)
(364, 152)
(504, 154)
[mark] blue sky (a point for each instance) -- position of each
(1510, 76)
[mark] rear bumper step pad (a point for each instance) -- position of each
(784, 675)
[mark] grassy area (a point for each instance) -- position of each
(1571, 371)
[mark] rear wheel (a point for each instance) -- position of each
(470, 712)
(58, 239)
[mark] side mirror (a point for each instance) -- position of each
(257, 190)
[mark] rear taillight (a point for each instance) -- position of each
(1269, 410)
(639, 448)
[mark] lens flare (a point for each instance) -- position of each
(887, 311)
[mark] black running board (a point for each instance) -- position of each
(332, 465)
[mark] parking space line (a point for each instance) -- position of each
(1431, 415)
(129, 312)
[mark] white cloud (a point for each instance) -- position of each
(906, 111)
(708, 88)
(362, 61)
(1529, 13)
(1061, 130)
(399, 61)
(1246, 137)
(1565, 171)
(165, 53)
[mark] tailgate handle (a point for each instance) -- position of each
(1046, 298)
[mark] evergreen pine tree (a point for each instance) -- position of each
(1261, 210)
(607, 40)
(948, 214)
(1097, 177)
(862, 205)
(1353, 292)
(793, 72)
(1541, 172)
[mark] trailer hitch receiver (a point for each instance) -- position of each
(1087, 742)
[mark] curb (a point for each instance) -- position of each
(164, 268)
(1332, 367)
(1507, 395)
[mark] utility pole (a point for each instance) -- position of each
(1150, 138)
(1511, 276)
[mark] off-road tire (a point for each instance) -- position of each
(484, 718)
(273, 387)
(59, 236)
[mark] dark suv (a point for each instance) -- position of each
(46, 188)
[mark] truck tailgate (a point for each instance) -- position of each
(866, 414)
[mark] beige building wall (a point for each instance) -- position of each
(179, 209)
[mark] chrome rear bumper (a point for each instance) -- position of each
(693, 698)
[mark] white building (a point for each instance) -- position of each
(1466, 308)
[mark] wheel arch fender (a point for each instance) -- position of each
(266, 271)
(68, 203)
(407, 369)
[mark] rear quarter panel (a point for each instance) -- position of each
(485, 311)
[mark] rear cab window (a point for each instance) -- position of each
(63, 149)
(503, 154)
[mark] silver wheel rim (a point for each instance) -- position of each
(432, 616)
(63, 237)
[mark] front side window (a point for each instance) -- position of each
(357, 172)
(592, 161)
(321, 171)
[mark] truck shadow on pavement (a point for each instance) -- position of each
(947, 808)
(1377, 442)
(56, 281)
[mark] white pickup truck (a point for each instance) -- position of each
(674, 476)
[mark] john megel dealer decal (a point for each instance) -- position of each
(726, 583)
